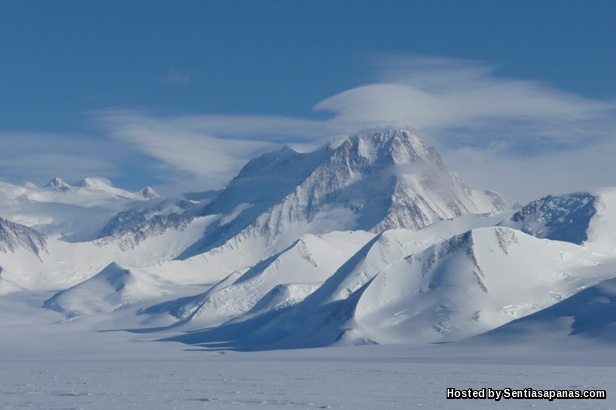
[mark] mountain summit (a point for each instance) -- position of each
(393, 180)
(373, 181)
(378, 181)
(57, 183)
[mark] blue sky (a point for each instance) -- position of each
(518, 96)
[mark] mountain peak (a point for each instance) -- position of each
(105, 186)
(95, 182)
(375, 181)
(392, 179)
(57, 183)
(149, 193)
(392, 147)
(558, 217)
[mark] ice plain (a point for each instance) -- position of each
(50, 365)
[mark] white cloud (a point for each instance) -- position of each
(463, 102)
(524, 178)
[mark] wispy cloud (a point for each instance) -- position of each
(211, 148)
(520, 137)
(38, 157)
(176, 78)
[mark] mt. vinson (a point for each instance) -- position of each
(380, 181)
(373, 182)
(373, 241)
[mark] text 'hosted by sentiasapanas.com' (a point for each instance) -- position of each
(523, 394)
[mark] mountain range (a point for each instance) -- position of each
(373, 241)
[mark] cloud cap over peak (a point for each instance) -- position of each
(451, 99)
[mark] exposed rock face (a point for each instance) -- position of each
(14, 236)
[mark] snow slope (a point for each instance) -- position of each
(469, 284)
(277, 282)
(102, 292)
(589, 314)
(375, 255)
(446, 282)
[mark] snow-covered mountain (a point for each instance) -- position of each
(110, 290)
(561, 218)
(73, 213)
(14, 236)
(371, 241)
(102, 292)
(373, 181)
